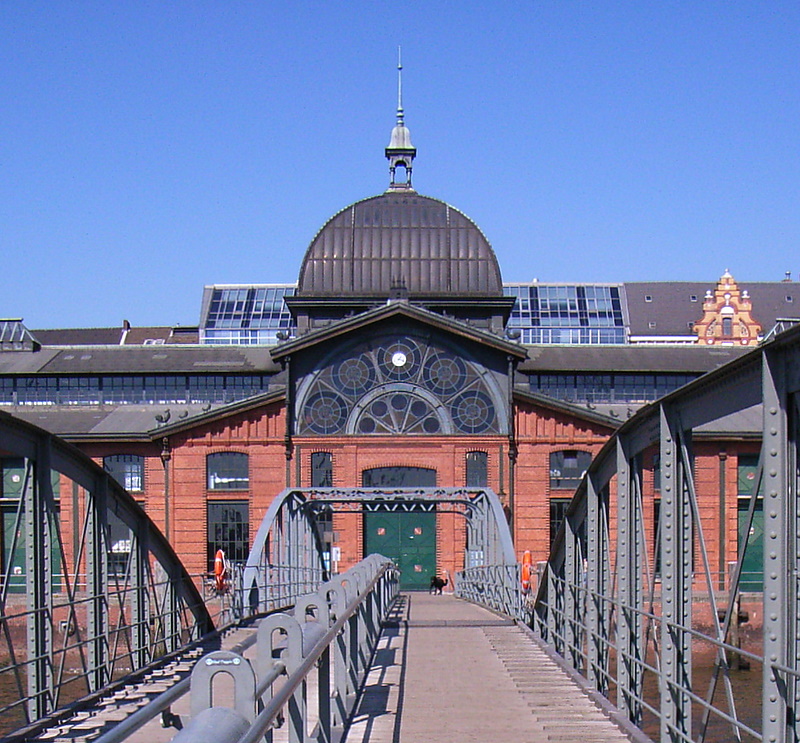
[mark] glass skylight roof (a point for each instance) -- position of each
(246, 315)
(567, 313)
(543, 314)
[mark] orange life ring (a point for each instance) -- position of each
(526, 571)
(220, 571)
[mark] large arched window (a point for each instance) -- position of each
(401, 384)
(227, 470)
(127, 470)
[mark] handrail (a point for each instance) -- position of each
(355, 602)
(265, 719)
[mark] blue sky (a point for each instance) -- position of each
(150, 148)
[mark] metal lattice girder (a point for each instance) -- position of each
(598, 617)
(768, 377)
(630, 550)
(81, 625)
(286, 559)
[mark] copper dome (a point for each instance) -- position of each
(400, 239)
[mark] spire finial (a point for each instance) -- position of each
(400, 151)
(399, 87)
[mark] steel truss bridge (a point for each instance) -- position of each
(633, 611)
(627, 624)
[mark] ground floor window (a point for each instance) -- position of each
(558, 512)
(228, 530)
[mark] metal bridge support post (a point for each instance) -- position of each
(599, 584)
(292, 656)
(38, 498)
(139, 602)
(781, 548)
(629, 581)
(552, 607)
(244, 682)
(573, 594)
(97, 582)
(676, 582)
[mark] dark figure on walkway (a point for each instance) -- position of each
(437, 583)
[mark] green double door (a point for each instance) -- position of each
(409, 539)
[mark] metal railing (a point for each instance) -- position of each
(641, 613)
(497, 587)
(310, 664)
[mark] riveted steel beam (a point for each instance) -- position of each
(676, 582)
(630, 551)
(781, 552)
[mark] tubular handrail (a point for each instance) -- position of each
(353, 604)
(264, 720)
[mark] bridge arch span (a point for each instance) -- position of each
(78, 606)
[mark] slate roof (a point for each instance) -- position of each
(141, 359)
(633, 358)
(80, 336)
(125, 335)
(132, 422)
(673, 311)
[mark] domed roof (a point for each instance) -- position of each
(400, 239)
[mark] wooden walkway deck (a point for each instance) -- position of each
(449, 671)
(445, 671)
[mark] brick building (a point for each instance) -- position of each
(400, 359)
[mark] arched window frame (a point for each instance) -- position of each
(227, 470)
(476, 469)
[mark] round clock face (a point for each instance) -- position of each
(399, 358)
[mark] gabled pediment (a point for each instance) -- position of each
(344, 330)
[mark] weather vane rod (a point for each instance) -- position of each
(399, 88)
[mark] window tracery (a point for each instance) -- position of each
(400, 384)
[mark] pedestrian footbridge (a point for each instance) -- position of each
(103, 642)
